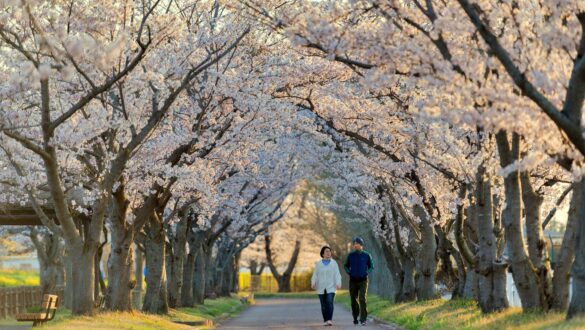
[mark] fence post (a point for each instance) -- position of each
(3, 311)
(13, 302)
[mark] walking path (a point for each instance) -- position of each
(293, 314)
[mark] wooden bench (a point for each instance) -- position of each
(48, 310)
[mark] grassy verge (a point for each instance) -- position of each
(179, 319)
(9, 278)
(461, 314)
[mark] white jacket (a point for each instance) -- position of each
(326, 277)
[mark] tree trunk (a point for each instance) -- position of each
(187, 290)
(82, 281)
(426, 264)
(155, 298)
(68, 279)
(537, 246)
(119, 292)
(490, 271)
(564, 260)
(577, 304)
(189, 269)
(469, 222)
(179, 243)
(396, 271)
(408, 290)
(228, 279)
(199, 277)
(50, 252)
(235, 286)
(525, 278)
(459, 286)
(394, 257)
(138, 275)
(256, 269)
(470, 291)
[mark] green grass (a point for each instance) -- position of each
(217, 308)
(460, 314)
(212, 310)
(10, 278)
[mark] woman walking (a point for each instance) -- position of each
(326, 280)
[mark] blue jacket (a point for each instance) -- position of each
(358, 265)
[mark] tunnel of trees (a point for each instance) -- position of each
(179, 133)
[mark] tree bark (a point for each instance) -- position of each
(68, 279)
(155, 298)
(577, 304)
(82, 281)
(139, 276)
(50, 252)
(189, 269)
(537, 246)
(235, 287)
(408, 290)
(523, 271)
(119, 292)
(491, 272)
(401, 264)
(199, 277)
(564, 260)
(210, 272)
(426, 264)
(256, 269)
(178, 243)
(396, 270)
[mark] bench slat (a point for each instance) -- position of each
(48, 297)
(52, 305)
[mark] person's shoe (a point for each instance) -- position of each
(355, 322)
(364, 323)
(329, 323)
(326, 324)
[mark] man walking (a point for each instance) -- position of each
(358, 265)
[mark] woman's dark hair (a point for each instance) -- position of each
(323, 250)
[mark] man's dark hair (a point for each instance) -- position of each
(323, 250)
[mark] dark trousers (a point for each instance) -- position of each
(327, 305)
(358, 291)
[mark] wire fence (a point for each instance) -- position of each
(267, 283)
